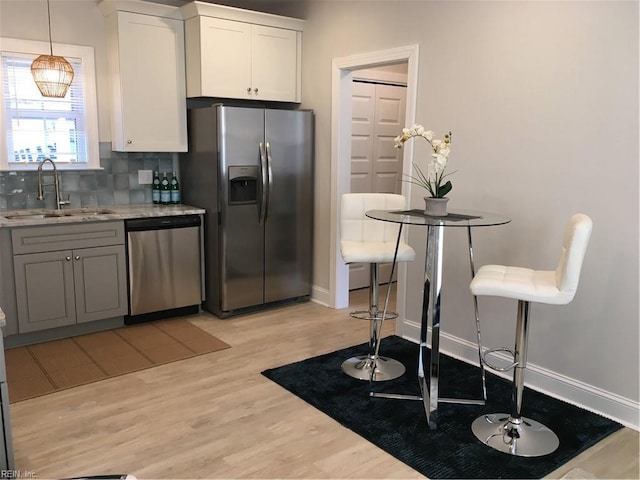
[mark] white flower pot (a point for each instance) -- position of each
(436, 207)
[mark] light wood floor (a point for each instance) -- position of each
(215, 416)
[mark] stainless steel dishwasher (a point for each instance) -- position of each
(164, 267)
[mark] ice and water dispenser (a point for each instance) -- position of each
(243, 185)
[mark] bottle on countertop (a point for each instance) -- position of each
(155, 189)
(175, 189)
(165, 192)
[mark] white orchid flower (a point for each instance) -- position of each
(439, 162)
(428, 135)
(400, 139)
(443, 150)
(411, 132)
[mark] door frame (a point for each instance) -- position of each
(341, 77)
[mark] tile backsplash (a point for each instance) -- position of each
(116, 184)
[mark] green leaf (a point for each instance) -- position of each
(444, 189)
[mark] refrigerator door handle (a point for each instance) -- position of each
(264, 177)
(270, 181)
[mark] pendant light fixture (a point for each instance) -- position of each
(53, 74)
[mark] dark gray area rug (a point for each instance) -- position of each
(452, 451)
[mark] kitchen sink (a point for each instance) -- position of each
(83, 211)
(28, 216)
(78, 212)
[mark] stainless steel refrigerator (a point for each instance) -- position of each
(252, 170)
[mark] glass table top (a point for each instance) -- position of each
(454, 218)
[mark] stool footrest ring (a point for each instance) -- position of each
(492, 366)
(366, 315)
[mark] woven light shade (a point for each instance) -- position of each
(53, 75)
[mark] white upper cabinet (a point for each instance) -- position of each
(231, 53)
(274, 64)
(146, 63)
(218, 58)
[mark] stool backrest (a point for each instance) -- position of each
(356, 227)
(574, 246)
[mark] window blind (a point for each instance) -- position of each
(38, 127)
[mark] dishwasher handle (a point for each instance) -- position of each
(160, 223)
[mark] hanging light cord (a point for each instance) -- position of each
(53, 74)
(49, 19)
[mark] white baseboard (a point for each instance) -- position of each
(320, 296)
(593, 399)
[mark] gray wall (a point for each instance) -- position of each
(542, 99)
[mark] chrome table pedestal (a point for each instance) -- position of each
(429, 355)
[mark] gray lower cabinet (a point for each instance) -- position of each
(100, 283)
(65, 286)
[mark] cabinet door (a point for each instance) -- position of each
(150, 109)
(225, 58)
(44, 290)
(100, 283)
(274, 65)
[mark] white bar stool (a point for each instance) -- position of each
(364, 240)
(513, 433)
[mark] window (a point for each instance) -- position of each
(34, 127)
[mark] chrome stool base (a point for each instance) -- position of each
(360, 368)
(520, 437)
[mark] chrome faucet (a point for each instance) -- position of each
(56, 184)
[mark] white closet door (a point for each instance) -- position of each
(362, 136)
(376, 166)
(386, 168)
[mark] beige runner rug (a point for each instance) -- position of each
(43, 368)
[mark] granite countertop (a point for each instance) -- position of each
(32, 217)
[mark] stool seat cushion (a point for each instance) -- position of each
(556, 287)
(365, 240)
(519, 283)
(375, 252)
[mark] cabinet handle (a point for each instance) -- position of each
(77, 257)
(68, 259)
(249, 90)
(129, 142)
(255, 90)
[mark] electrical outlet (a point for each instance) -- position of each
(145, 177)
